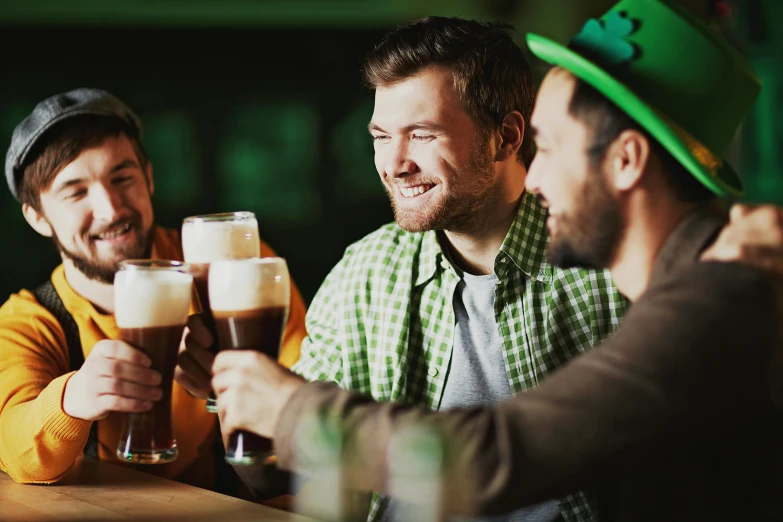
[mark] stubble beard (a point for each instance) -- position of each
(588, 236)
(101, 270)
(460, 211)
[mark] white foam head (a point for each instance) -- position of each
(220, 236)
(249, 284)
(149, 297)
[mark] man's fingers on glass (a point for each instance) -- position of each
(124, 404)
(239, 359)
(198, 390)
(228, 408)
(123, 370)
(123, 351)
(130, 390)
(199, 353)
(199, 331)
(221, 381)
(190, 368)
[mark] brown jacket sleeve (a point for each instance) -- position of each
(690, 358)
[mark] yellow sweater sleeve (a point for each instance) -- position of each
(38, 441)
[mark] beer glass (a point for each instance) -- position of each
(250, 300)
(151, 305)
(207, 238)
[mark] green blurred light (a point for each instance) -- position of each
(266, 161)
(170, 140)
(351, 146)
(214, 13)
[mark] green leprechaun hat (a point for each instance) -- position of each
(671, 73)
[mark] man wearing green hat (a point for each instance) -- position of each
(673, 417)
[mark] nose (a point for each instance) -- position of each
(106, 205)
(397, 162)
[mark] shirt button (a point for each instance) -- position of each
(444, 264)
(433, 372)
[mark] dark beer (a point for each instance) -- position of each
(154, 426)
(151, 304)
(249, 300)
(200, 273)
(260, 330)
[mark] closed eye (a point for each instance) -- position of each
(76, 194)
(120, 180)
(423, 137)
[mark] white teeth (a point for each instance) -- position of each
(115, 234)
(411, 192)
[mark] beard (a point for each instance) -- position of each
(463, 207)
(103, 270)
(588, 236)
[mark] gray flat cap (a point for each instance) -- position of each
(54, 110)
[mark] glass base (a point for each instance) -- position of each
(147, 456)
(248, 459)
(244, 459)
(245, 448)
(211, 405)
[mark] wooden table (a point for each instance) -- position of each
(94, 491)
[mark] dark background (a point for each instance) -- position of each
(257, 105)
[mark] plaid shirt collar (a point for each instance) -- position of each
(525, 246)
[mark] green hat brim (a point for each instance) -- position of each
(721, 180)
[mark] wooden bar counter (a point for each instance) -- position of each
(93, 491)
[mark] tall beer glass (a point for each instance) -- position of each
(250, 300)
(151, 305)
(207, 238)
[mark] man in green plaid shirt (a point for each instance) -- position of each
(452, 99)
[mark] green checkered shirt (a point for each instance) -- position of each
(382, 323)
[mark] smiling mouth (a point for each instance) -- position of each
(414, 191)
(114, 232)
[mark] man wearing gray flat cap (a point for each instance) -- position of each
(77, 167)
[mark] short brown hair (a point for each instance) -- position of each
(491, 75)
(607, 121)
(62, 144)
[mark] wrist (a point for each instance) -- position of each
(56, 420)
(287, 389)
(67, 401)
(71, 405)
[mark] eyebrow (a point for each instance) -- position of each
(126, 164)
(427, 125)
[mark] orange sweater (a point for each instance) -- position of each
(38, 441)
